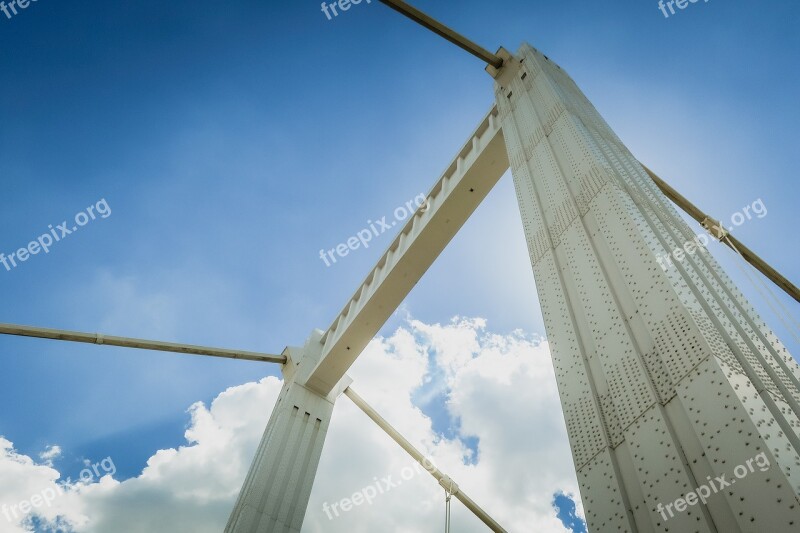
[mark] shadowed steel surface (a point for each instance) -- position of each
(124, 342)
(440, 29)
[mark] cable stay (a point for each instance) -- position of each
(448, 495)
(141, 344)
(724, 236)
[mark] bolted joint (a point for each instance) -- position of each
(714, 227)
(449, 485)
(505, 56)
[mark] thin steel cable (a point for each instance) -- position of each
(756, 280)
(447, 513)
(444, 31)
(793, 329)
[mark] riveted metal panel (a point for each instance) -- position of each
(667, 376)
(622, 369)
(580, 406)
(602, 495)
(536, 234)
(662, 474)
(735, 426)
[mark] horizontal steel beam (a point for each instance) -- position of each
(726, 238)
(466, 182)
(124, 342)
(443, 31)
(445, 481)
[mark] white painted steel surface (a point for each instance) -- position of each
(275, 494)
(667, 378)
(466, 182)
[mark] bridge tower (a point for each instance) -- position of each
(673, 389)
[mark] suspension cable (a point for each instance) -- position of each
(768, 295)
(448, 496)
(124, 342)
(732, 242)
(443, 31)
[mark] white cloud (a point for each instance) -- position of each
(28, 483)
(500, 389)
(52, 452)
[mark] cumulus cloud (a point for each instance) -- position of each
(29, 486)
(50, 453)
(499, 392)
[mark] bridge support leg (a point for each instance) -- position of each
(278, 486)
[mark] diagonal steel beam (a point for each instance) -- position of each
(440, 29)
(461, 189)
(97, 338)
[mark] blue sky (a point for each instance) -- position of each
(233, 141)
